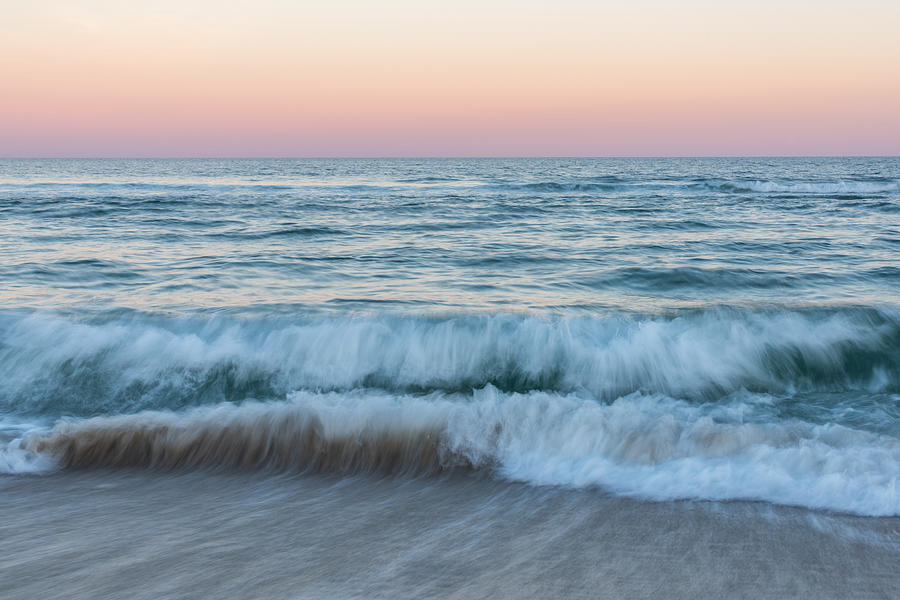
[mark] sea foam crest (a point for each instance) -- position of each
(819, 187)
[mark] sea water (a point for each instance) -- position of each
(717, 329)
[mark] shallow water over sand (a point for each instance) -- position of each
(110, 534)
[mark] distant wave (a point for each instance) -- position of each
(641, 445)
(59, 366)
(812, 187)
(693, 278)
(568, 186)
(286, 230)
(851, 188)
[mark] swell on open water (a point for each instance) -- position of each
(711, 329)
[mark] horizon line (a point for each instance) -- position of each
(448, 157)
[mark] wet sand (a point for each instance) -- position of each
(132, 534)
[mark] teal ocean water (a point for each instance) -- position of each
(661, 329)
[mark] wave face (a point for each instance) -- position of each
(56, 366)
(643, 445)
(662, 328)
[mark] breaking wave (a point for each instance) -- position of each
(51, 365)
(647, 446)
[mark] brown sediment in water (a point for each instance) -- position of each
(289, 440)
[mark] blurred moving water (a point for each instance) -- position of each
(569, 331)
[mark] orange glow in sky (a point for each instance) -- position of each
(463, 78)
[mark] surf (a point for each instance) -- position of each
(645, 446)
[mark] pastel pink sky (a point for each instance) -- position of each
(462, 78)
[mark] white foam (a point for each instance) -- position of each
(823, 187)
(690, 356)
(16, 458)
(659, 448)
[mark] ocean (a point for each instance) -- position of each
(450, 377)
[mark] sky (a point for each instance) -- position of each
(461, 78)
